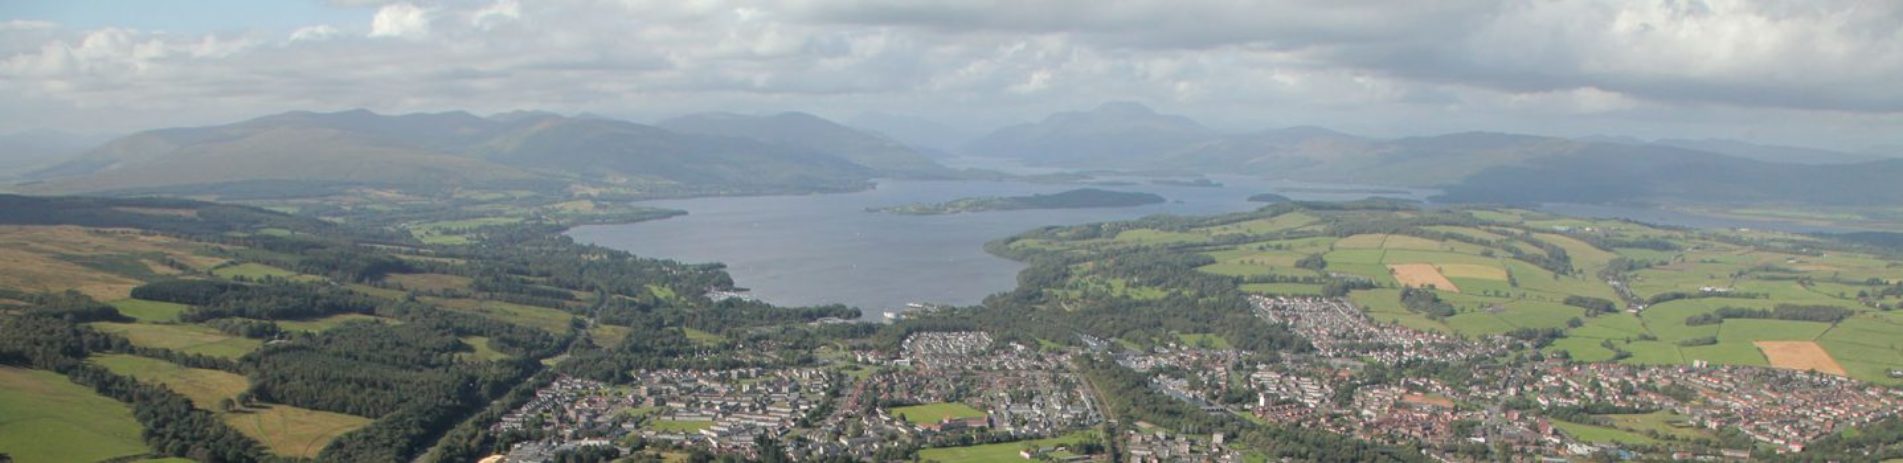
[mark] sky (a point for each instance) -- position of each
(1823, 73)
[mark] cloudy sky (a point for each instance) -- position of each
(1812, 72)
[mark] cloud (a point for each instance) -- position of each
(400, 20)
(1384, 67)
(314, 33)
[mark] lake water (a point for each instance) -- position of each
(822, 249)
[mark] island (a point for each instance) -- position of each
(1073, 199)
(1196, 182)
(1269, 198)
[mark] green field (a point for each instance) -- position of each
(204, 387)
(255, 271)
(45, 417)
(1601, 434)
(284, 429)
(933, 413)
(483, 352)
(292, 431)
(1663, 422)
(190, 339)
(1004, 451)
(547, 319)
(684, 426)
(150, 311)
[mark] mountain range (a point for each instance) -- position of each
(1471, 166)
(714, 152)
(724, 153)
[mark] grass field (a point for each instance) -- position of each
(284, 429)
(45, 417)
(292, 431)
(103, 265)
(551, 320)
(204, 387)
(933, 413)
(703, 337)
(1003, 451)
(150, 311)
(1210, 341)
(1664, 422)
(685, 426)
(483, 351)
(1601, 434)
(191, 339)
(256, 271)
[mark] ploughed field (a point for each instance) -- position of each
(1609, 290)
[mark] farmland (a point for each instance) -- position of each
(1501, 270)
(284, 429)
(933, 413)
(1005, 451)
(45, 417)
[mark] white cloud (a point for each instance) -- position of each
(400, 20)
(501, 11)
(315, 33)
(1384, 67)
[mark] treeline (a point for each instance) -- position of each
(212, 299)
(1677, 295)
(1792, 312)
(1425, 302)
(172, 426)
(1593, 305)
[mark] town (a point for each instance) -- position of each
(963, 388)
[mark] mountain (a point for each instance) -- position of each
(615, 151)
(32, 149)
(813, 133)
(1114, 135)
(1768, 153)
(789, 153)
(927, 136)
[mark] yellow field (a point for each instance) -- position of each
(1800, 355)
(293, 431)
(1422, 275)
(1476, 271)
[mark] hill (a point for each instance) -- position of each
(812, 133)
(532, 150)
(1600, 173)
(1121, 135)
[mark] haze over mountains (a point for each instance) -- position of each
(786, 152)
(790, 152)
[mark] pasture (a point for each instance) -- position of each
(204, 387)
(1002, 451)
(190, 339)
(292, 431)
(149, 311)
(933, 413)
(45, 417)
